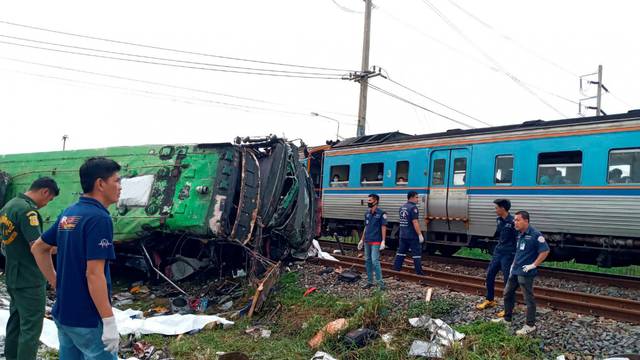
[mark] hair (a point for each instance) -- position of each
(411, 194)
(375, 197)
(524, 214)
(503, 203)
(45, 182)
(96, 168)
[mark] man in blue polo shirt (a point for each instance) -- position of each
(411, 236)
(531, 250)
(84, 237)
(373, 237)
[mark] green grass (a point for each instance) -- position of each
(632, 270)
(489, 341)
(436, 308)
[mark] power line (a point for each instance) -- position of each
(173, 65)
(489, 57)
(170, 49)
(164, 59)
(438, 102)
(388, 93)
(508, 38)
(118, 77)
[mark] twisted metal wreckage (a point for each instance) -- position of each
(191, 208)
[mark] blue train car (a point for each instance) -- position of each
(578, 178)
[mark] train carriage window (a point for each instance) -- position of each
(459, 171)
(624, 166)
(504, 170)
(439, 167)
(559, 168)
(372, 174)
(339, 176)
(402, 173)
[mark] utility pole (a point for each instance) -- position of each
(64, 141)
(598, 96)
(364, 76)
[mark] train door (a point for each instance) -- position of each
(447, 203)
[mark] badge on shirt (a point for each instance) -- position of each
(540, 239)
(33, 218)
(522, 244)
(384, 216)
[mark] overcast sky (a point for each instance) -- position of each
(499, 62)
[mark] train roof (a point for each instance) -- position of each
(398, 137)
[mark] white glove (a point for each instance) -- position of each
(110, 336)
(382, 246)
(527, 268)
(361, 245)
(421, 238)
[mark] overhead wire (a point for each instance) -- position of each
(397, 97)
(497, 64)
(438, 102)
(155, 83)
(173, 65)
(170, 49)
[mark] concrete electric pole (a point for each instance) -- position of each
(364, 76)
(598, 96)
(64, 142)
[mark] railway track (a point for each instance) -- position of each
(583, 303)
(627, 282)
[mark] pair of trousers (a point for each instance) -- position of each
(77, 343)
(416, 253)
(26, 314)
(372, 262)
(498, 263)
(526, 283)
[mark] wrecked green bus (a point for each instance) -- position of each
(181, 203)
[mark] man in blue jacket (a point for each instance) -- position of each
(411, 237)
(503, 253)
(373, 238)
(531, 251)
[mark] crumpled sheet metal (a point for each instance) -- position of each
(442, 335)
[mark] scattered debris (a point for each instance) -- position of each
(359, 337)
(331, 328)
(236, 355)
(309, 291)
(349, 276)
(179, 305)
(143, 350)
(426, 349)
(442, 335)
(387, 339)
(427, 297)
(258, 331)
(321, 355)
(226, 306)
(264, 287)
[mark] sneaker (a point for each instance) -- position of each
(367, 286)
(501, 320)
(486, 304)
(526, 330)
(500, 314)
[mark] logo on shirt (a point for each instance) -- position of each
(8, 230)
(403, 213)
(104, 243)
(68, 223)
(540, 239)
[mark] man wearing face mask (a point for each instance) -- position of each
(373, 237)
(84, 237)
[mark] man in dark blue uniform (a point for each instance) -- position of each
(410, 235)
(84, 237)
(531, 251)
(504, 251)
(373, 237)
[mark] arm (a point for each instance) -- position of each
(97, 284)
(384, 233)
(42, 254)
(416, 226)
(540, 258)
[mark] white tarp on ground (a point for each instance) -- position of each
(315, 250)
(136, 190)
(442, 335)
(165, 325)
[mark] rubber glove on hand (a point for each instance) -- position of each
(361, 245)
(527, 268)
(110, 336)
(421, 238)
(382, 246)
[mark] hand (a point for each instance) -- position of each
(382, 245)
(110, 336)
(527, 268)
(361, 245)
(421, 237)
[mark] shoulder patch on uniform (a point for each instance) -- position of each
(384, 216)
(415, 210)
(541, 239)
(33, 218)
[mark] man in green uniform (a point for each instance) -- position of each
(20, 226)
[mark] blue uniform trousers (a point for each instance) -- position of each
(499, 262)
(416, 253)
